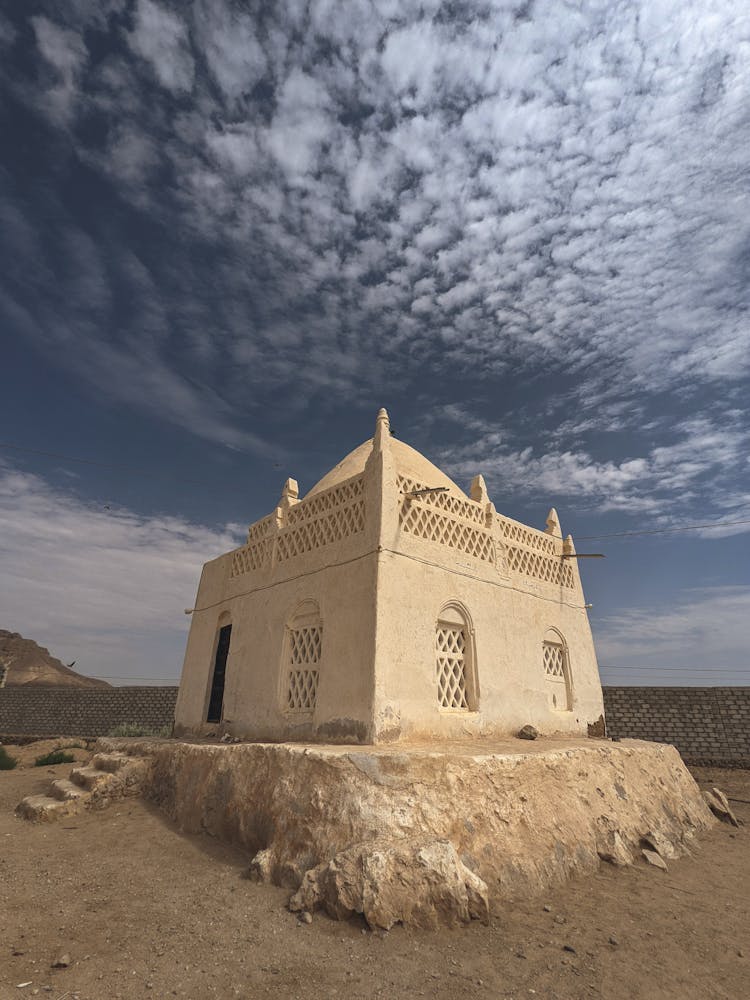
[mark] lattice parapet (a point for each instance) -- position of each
(341, 522)
(549, 569)
(322, 503)
(251, 557)
(469, 510)
(449, 520)
(260, 529)
(437, 527)
(529, 538)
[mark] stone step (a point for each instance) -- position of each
(110, 762)
(90, 778)
(44, 809)
(66, 790)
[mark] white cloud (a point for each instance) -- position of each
(705, 629)
(104, 587)
(66, 52)
(161, 38)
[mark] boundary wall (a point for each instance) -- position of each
(708, 725)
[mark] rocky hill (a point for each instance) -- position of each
(28, 663)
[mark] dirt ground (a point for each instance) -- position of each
(144, 911)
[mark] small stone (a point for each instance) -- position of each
(547, 908)
(62, 961)
(740, 953)
(570, 948)
(527, 733)
(305, 917)
(559, 918)
(613, 941)
(654, 859)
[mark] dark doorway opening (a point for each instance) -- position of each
(216, 701)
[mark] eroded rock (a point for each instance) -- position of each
(718, 803)
(424, 884)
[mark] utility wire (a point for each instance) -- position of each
(659, 531)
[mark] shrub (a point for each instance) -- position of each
(136, 729)
(7, 763)
(54, 757)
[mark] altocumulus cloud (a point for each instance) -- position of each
(379, 192)
(104, 587)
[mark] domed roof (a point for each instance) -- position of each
(407, 460)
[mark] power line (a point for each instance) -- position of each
(682, 670)
(660, 531)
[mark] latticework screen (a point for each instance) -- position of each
(304, 651)
(451, 667)
(555, 673)
(554, 662)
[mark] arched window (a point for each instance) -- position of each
(303, 645)
(455, 661)
(557, 671)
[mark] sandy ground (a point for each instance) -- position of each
(144, 911)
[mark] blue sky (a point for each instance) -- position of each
(231, 231)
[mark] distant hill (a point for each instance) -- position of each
(29, 663)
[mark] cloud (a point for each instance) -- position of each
(467, 196)
(161, 38)
(705, 628)
(104, 587)
(65, 53)
(695, 467)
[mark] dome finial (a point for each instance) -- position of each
(382, 429)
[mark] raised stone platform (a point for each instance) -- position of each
(427, 834)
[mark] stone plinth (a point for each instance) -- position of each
(347, 825)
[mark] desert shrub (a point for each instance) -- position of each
(7, 763)
(136, 729)
(54, 757)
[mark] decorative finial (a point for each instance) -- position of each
(478, 490)
(569, 548)
(289, 495)
(553, 524)
(382, 430)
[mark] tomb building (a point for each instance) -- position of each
(387, 605)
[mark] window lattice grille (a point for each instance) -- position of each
(451, 667)
(541, 567)
(436, 527)
(302, 691)
(469, 510)
(304, 650)
(554, 661)
(304, 645)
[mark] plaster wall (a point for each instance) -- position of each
(257, 667)
(506, 626)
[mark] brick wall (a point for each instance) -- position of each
(709, 725)
(68, 711)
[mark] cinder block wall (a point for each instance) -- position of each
(66, 711)
(709, 725)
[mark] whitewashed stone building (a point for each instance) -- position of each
(388, 605)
